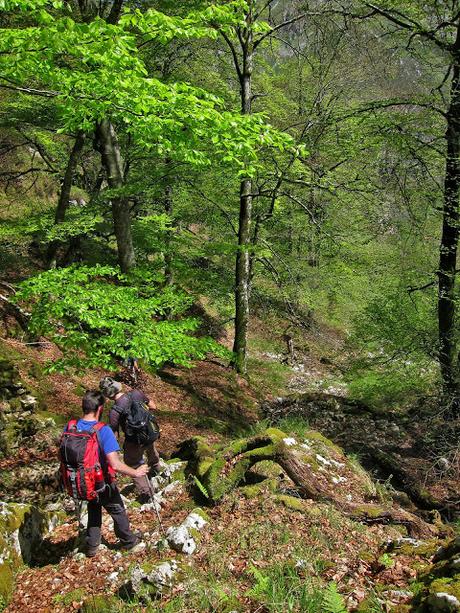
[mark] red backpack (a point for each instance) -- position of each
(83, 474)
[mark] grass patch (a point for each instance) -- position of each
(283, 588)
(66, 600)
(294, 425)
(268, 377)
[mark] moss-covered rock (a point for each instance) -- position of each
(199, 511)
(147, 582)
(22, 527)
(318, 468)
(290, 502)
(261, 488)
(441, 582)
(410, 547)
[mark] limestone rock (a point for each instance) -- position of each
(146, 582)
(180, 539)
(22, 528)
(441, 602)
(441, 592)
(162, 575)
(28, 402)
(195, 520)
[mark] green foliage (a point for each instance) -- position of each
(72, 596)
(200, 486)
(105, 75)
(333, 601)
(396, 384)
(280, 588)
(386, 560)
(350, 228)
(396, 337)
(97, 315)
(43, 228)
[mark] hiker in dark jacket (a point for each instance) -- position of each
(133, 453)
(93, 405)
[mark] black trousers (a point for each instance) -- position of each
(113, 504)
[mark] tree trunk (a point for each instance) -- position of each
(64, 196)
(448, 338)
(243, 267)
(112, 162)
(169, 279)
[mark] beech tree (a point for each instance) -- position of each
(95, 71)
(244, 40)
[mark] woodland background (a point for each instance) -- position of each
(254, 199)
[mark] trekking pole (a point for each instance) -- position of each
(77, 504)
(151, 492)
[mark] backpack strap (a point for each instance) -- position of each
(97, 428)
(72, 425)
(108, 470)
(120, 410)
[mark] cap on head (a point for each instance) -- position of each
(109, 387)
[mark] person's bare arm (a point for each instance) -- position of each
(120, 467)
(152, 405)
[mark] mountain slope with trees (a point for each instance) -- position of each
(259, 200)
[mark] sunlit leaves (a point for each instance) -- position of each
(97, 315)
(95, 70)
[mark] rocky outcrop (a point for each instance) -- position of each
(18, 411)
(388, 443)
(24, 428)
(22, 528)
(441, 583)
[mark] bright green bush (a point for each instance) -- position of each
(97, 315)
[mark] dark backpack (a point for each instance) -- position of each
(139, 425)
(83, 475)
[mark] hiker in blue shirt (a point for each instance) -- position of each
(110, 499)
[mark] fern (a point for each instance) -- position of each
(262, 585)
(201, 487)
(333, 601)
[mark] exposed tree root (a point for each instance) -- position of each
(315, 465)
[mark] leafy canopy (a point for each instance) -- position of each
(96, 70)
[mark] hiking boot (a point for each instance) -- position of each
(92, 551)
(137, 541)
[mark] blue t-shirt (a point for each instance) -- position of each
(106, 436)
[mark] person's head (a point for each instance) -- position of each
(109, 387)
(93, 401)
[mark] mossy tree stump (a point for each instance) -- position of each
(316, 466)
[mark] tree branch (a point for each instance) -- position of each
(279, 27)
(234, 54)
(407, 23)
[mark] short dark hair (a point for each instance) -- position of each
(92, 400)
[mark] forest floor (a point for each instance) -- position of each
(257, 554)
